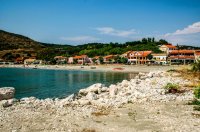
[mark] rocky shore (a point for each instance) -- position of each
(141, 104)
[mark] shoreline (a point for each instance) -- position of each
(101, 68)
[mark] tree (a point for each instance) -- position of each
(144, 40)
(196, 66)
(101, 60)
(162, 41)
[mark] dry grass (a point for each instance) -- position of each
(88, 130)
(100, 113)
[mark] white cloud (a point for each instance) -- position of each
(191, 29)
(80, 39)
(115, 32)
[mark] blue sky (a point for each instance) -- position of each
(82, 21)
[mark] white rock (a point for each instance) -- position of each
(113, 90)
(7, 93)
(93, 88)
(91, 96)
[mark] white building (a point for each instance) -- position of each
(160, 58)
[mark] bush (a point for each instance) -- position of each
(197, 92)
(172, 87)
(196, 66)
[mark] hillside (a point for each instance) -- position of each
(10, 41)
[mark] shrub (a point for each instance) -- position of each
(172, 87)
(196, 66)
(197, 92)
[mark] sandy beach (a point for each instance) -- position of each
(104, 68)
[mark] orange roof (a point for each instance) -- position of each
(80, 57)
(181, 57)
(108, 56)
(141, 53)
(197, 52)
(181, 51)
(169, 46)
(96, 57)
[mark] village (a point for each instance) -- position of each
(170, 55)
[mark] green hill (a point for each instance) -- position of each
(9, 41)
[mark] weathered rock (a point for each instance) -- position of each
(91, 96)
(112, 90)
(7, 103)
(27, 100)
(93, 88)
(7, 93)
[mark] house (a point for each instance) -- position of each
(19, 60)
(197, 54)
(29, 61)
(70, 60)
(166, 48)
(138, 57)
(181, 56)
(109, 59)
(160, 58)
(82, 59)
(60, 59)
(125, 54)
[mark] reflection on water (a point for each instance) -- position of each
(55, 83)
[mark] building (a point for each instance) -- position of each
(181, 56)
(109, 59)
(166, 48)
(60, 59)
(197, 54)
(138, 57)
(82, 59)
(125, 54)
(29, 61)
(70, 60)
(160, 58)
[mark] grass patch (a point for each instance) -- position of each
(197, 92)
(172, 88)
(132, 115)
(88, 130)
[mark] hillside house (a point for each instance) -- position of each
(109, 59)
(181, 56)
(82, 59)
(197, 54)
(160, 58)
(138, 57)
(166, 48)
(29, 61)
(60, 59)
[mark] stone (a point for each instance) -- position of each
(7, 103)
(93, 88)
(91, 96)
(113, 90)
(27, 100)
(7, 93)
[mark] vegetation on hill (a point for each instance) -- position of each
(15, 41)
(45, 51)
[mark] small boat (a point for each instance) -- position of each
(118, 69)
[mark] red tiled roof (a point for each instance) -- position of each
(80, 57)
(170, 46)
(181, 57)
(141, 53)
(181, 51)
(197, 52)
(108, 56)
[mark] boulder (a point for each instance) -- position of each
(113, 90)
(91, 96)
(7, 103)
(27, 100)
(7, 93)
(93, 88)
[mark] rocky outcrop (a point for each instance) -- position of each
(7, 93)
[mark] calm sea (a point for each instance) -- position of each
(42, 83)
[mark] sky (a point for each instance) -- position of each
(86, 21)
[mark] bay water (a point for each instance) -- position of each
(44, 83)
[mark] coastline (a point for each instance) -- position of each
(140, 104)
(101, 68)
